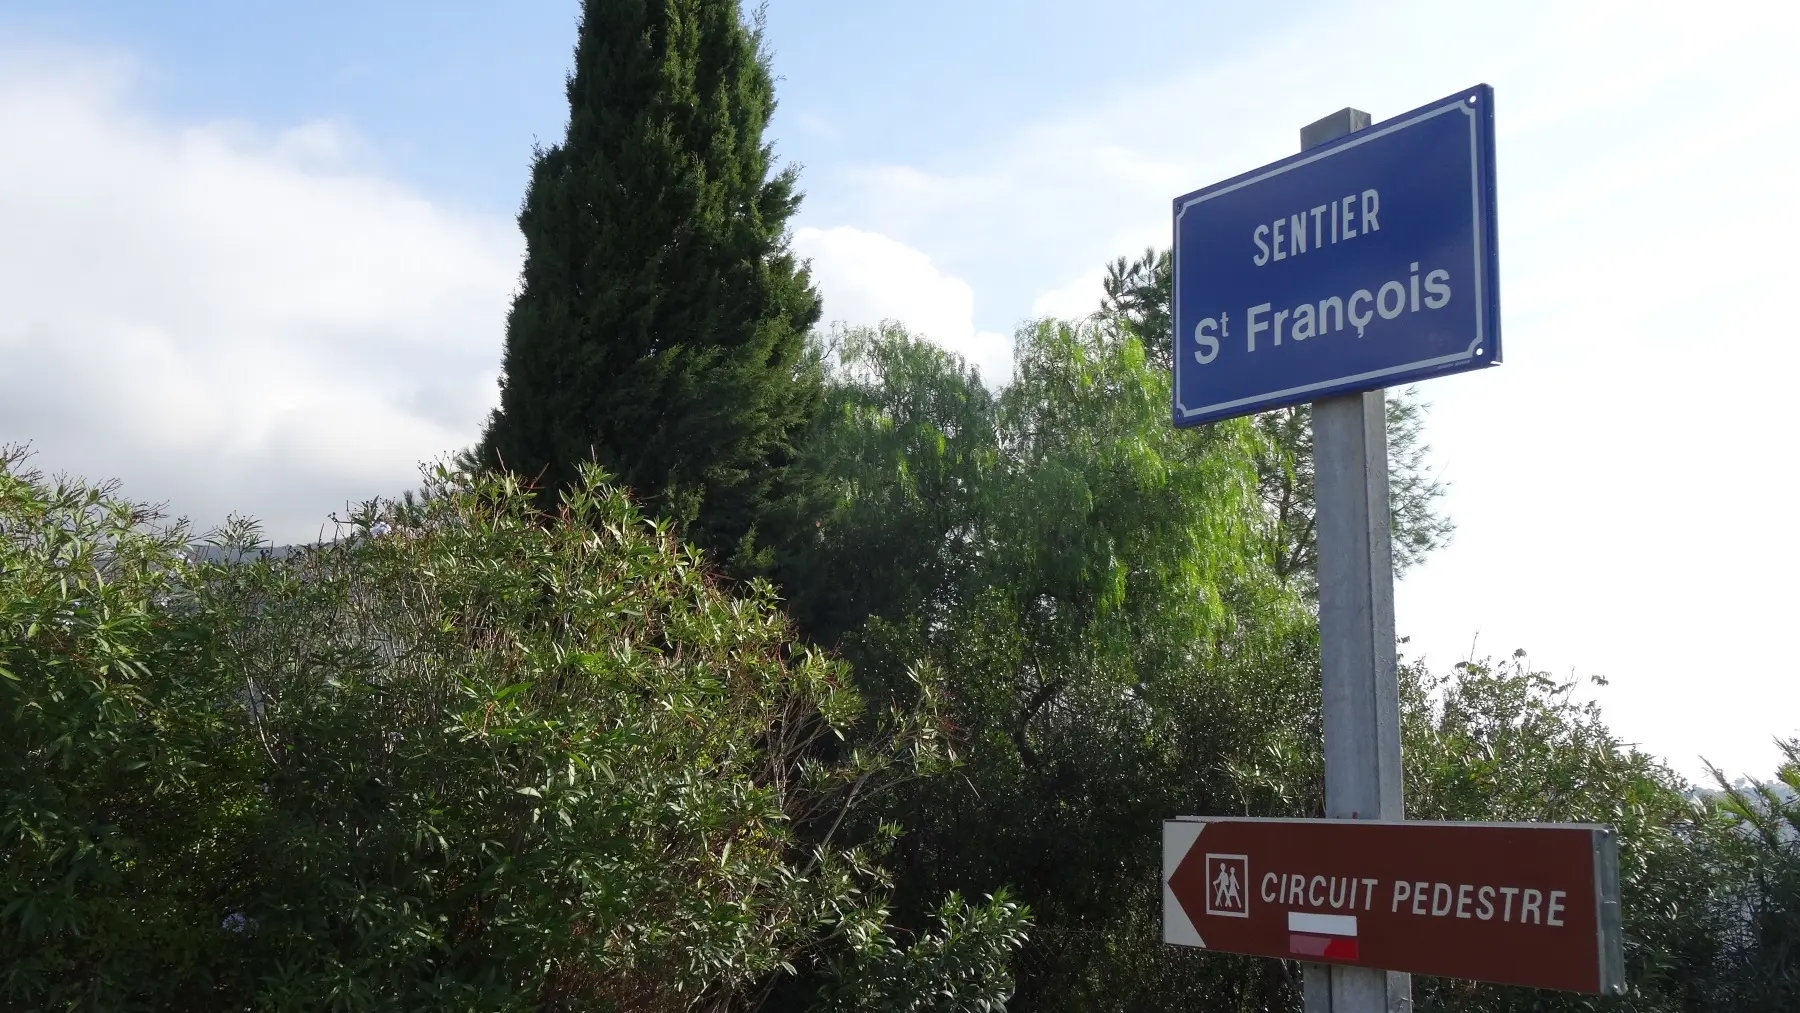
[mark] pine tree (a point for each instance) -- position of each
(661, 324)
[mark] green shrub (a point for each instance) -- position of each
(1760, 905)
(122, 794)
(467, 757)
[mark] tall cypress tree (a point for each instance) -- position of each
(661, 324)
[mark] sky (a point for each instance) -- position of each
(256, 259)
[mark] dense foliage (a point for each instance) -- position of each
(661, 323)
(1758, 900)
(1074, 566)
(1138, 303)
(125, 785)
(1118, 646)
(1501, 742)
(473, 755)
(469, 757)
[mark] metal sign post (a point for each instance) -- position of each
(1356, 636)
(1366, 260)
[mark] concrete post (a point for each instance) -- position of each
(1356, 634)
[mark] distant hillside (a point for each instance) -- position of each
(221, 554)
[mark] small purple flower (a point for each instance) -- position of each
(379, 528)
(235, 922)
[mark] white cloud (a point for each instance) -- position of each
(225, 320)
(1073, 301)
(865, 278)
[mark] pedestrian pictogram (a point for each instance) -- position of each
(1226, 876)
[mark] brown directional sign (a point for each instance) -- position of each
(1533, 904)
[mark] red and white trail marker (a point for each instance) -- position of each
(1322, 937)
(1531, 904)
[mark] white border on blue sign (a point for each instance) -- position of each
(1360, 137)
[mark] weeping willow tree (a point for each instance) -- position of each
(1114, 649)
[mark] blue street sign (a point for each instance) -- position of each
(1365, 262)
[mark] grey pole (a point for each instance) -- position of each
(1356, 636)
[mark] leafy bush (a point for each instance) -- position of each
(468, 757)
(124, 798)
(1119, 645)
(1112, 653)
(1759, 908)
(1498, 741)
